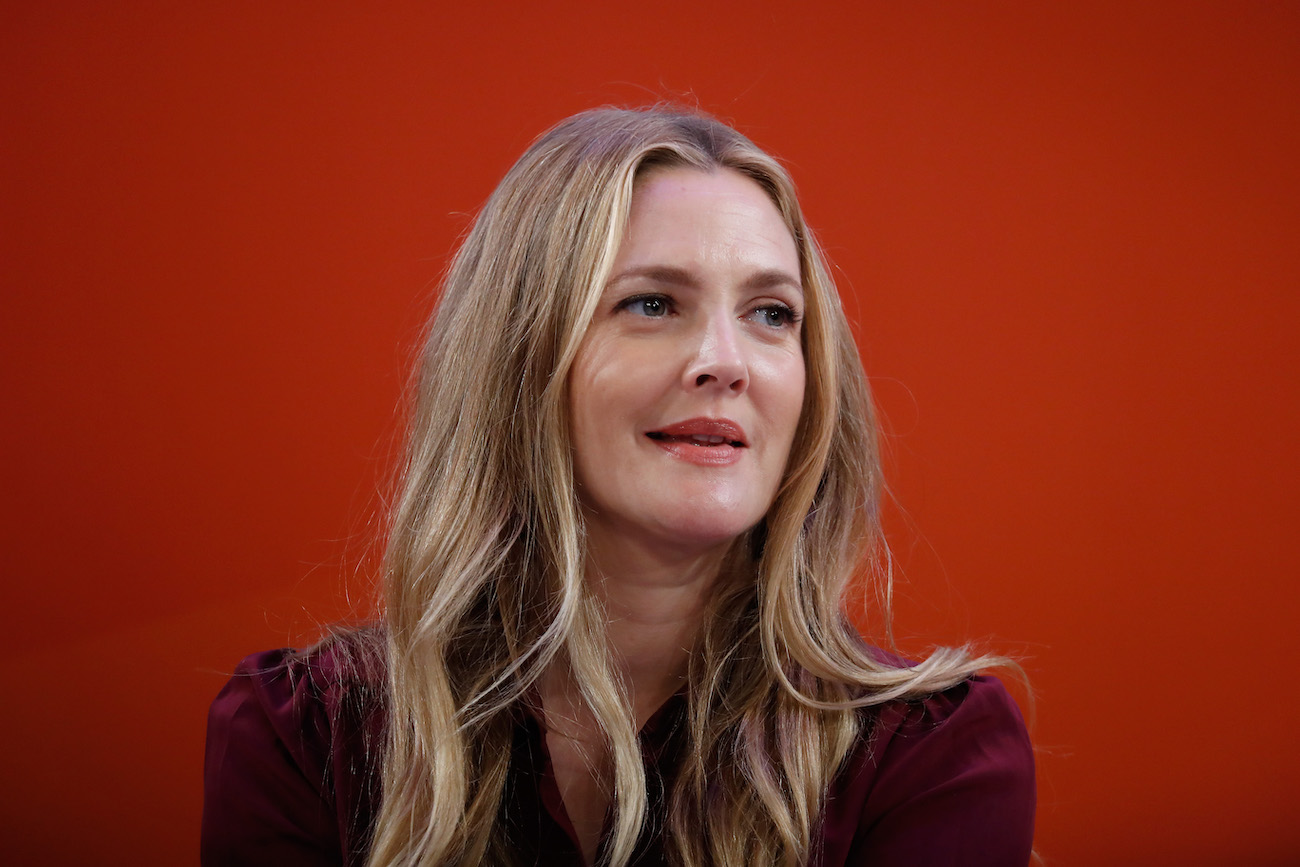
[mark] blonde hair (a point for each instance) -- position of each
(484, 570)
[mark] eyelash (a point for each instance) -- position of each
(789, 317)
(630, 303)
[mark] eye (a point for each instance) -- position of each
(652, 306)
(776, 316)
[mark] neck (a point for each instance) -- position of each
(652, 630)
(654, 599)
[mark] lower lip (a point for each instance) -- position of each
(704, 456)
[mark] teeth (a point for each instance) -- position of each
(710, 440)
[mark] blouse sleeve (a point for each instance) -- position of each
(954, 783)
(265, 799)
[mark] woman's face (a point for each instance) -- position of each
(689, 382)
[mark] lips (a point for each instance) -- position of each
(704, 432)
(703, 441)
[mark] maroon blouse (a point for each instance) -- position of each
(290, 777)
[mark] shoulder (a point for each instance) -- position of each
(323, 680)
(976, 713)
(291, 763)
(972, 725)
(944, 779)
(299, 698)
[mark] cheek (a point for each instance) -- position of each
(590, 394)
(613, 376)
(785, 382)
(599, 385)
(797, 386)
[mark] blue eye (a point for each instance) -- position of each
(777, 316)
(647, 305)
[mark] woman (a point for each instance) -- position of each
(641, 473)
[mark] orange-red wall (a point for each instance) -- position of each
(1069, 234)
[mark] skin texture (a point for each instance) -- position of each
(699, 320)
(694, 323)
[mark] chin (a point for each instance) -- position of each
(708, 532)
(712, 517)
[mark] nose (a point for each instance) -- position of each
(718, 361)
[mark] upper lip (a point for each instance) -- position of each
(714, 427)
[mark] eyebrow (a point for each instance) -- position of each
(766, 278)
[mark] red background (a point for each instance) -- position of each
(1067, 234)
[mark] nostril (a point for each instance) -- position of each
(702, 379)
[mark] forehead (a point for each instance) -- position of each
(703, 216)
(692, 187)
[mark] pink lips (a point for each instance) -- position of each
(704, 441)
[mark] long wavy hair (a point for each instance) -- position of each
(484, 574)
